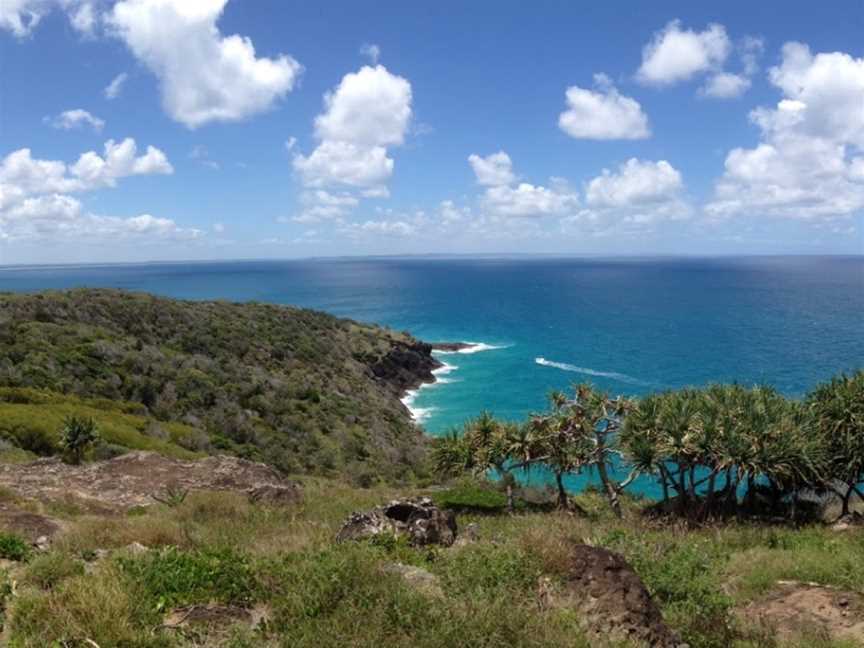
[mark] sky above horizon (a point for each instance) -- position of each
(170, 129)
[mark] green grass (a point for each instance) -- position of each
(218, 547)
(33, 420)
(172, 577)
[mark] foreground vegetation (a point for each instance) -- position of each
(295, 388)
(217, 547)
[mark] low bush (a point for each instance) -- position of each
(14, 547)
(47, 570)
(470, 495)
(172, 577)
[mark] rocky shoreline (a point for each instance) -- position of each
(409, 366)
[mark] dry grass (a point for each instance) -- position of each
(320, 593)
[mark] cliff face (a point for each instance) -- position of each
(407, 365)
(296, 388)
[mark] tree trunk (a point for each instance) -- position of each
(682, 489)
(664, 482)
(709, 496)
(611, 491)
(562, 494)
(731, 491)
(848, 496)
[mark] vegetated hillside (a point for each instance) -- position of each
(302, 390)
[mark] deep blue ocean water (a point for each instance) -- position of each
(627, 325)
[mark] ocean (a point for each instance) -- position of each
(628, 325)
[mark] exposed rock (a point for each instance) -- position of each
(848, 522)
(136, 548)
(793, 608)
(418, 519)
(132, 479)
(210, 614)
(406, 366)
(611, 600)
(450, 346)
(30, 526)
(276, 495)
(470, 534)
(416, 578)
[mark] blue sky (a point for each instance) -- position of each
(283, 129)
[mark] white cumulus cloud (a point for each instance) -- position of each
(35, 203)
(504, 197)
(602, 113)
(75, 119)
(22, 17)
(369, 111)
(631, 200)
(810, 160)
(675, 54)
(725, 85)
(492, 170)
(322, 205)
(204, 76)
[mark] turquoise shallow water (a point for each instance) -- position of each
(627, 325)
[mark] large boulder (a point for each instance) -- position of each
(417, 519)
(612, 600)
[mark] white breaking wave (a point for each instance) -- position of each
(439, 374)
(418, 414)
(443, 370)
(473, 347)
(590, 372)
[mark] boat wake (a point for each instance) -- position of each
(614, 375)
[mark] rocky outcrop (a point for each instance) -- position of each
(416, 578)
(418, 520)
(792, 610)
(134, 479)
(406, 366)
(612, 601)
(451, 347)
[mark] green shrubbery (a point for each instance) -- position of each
(77, 436)
(13, 547)
(279, 384)
(470, 495)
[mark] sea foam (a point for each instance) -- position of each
(564, 366)
(473, 347)
(420, 414)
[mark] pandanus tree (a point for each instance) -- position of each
(783, 452)
(696, 439)
(77, 435)
(837, 408)
(559, 442)
(485, 444)
(579, 433)
(663, 435)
